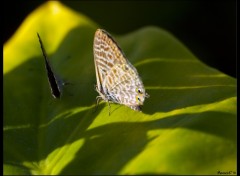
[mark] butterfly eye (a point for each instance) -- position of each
(138, 99)
(139, 91)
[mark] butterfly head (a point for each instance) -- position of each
(141, 95)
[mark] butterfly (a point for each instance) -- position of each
(55, 83)
(117, 79)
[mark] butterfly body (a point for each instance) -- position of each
(117, 79)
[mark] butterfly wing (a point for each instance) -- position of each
(106, 55)
(125, 86)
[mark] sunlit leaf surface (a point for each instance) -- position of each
(188, 125)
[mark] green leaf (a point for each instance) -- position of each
(188, 125)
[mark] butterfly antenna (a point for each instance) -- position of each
(147, 95)
(67, 83)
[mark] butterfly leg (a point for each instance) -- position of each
(109, 108)
(98, 98)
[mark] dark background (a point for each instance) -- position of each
(207, 28)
